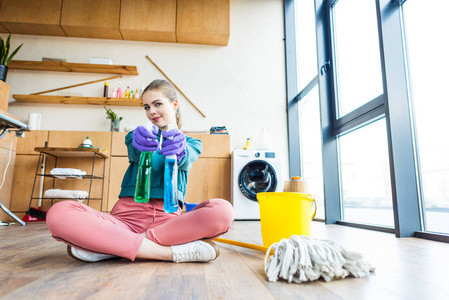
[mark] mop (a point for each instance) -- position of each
(301, 258)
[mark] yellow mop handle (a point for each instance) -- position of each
(241, 244)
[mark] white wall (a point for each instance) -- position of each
(241, 86)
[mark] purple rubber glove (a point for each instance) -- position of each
(144, 140)
(174, 143)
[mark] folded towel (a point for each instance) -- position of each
(69, 194)
(70, 176)
(67, 171)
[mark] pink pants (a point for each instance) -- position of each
(120, 232)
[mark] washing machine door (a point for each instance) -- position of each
(257, 176)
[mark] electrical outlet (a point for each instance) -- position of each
(20, 134)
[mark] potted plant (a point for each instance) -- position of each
(115, 120)
(5, 58)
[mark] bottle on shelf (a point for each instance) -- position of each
(106, 90)
(119, 90)
(114, 91)
(127, 92)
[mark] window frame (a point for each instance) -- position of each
(398, 115)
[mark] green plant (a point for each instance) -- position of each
(4, 51)
(112, 115)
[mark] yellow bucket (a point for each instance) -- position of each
(285, 214)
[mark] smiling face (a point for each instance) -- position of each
(160, 110)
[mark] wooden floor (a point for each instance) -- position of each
(34, 266)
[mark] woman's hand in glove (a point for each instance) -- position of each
(144, 140)
(174, 143)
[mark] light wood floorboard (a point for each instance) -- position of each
(35, 266)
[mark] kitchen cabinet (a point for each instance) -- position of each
(72, 139)
(209, 178)
(148, 20)
(91, 19)
(8, 148)
(4, 96)
(210, 175)
(24, 170)
(118, 165)
(32, 139)
(3, 29)
(5, 192)
(32, 17)
(183, 21)
(203, 22)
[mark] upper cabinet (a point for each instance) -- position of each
(91, 19)
(31, 17)
(3, 29)
(183, 21)
(203, 22)
(148, 20)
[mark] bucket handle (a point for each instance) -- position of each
(314, 206)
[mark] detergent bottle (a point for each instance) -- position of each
(248, 144)
(106, 90)
(143, 182)
(171, 180)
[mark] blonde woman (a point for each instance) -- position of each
(143, 230)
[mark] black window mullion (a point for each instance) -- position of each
(292, 89)
(331, 175)
(403, 165)
(367, 113)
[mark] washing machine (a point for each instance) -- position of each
(253, 171)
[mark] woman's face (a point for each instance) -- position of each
(160, 110)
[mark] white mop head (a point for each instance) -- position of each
(301, 258)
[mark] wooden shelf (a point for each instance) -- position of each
(72, 67)
(77, 100)
(71, 152)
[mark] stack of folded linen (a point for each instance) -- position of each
(66, 194)
(64, 173)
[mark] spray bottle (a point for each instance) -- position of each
(171, 180)
(114, 91)
(119, 90)
(143, 182)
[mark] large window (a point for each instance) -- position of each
(306, 42)
(310, 132)
(365, 176)
(383, 107)
(357, 58)
(428, 47)
(365, 185)
(309, 108)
